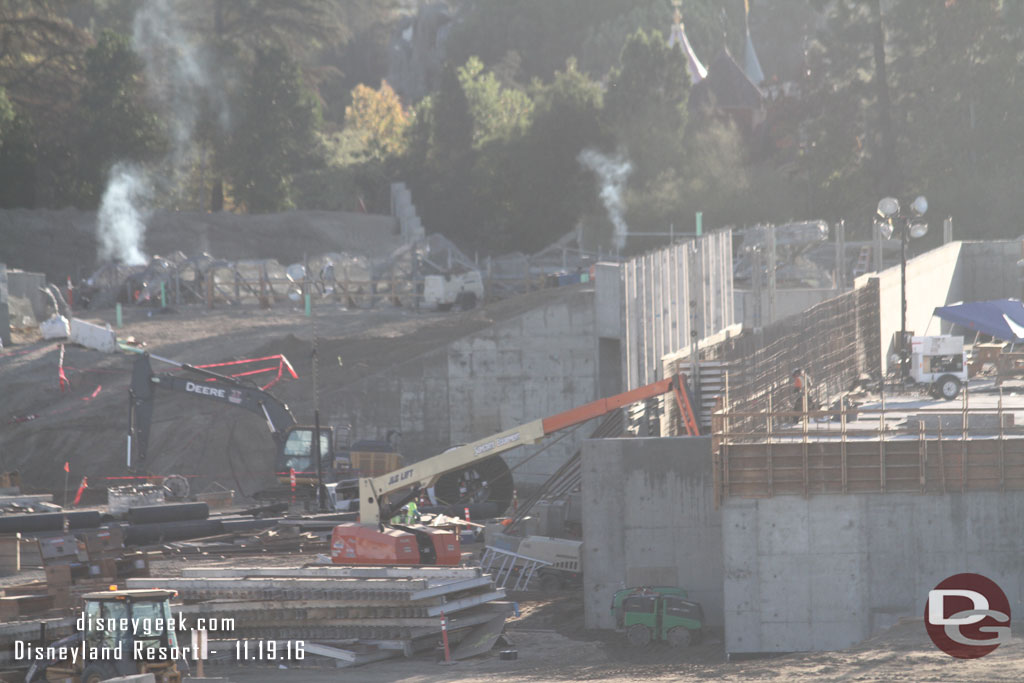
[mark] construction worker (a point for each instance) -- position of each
(412, 513)
(798, 390)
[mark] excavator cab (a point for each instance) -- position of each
(296, 454)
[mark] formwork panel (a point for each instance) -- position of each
(886, 466)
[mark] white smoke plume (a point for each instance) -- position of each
(176, 72)
(178, 80)
(613, 172)
(121, 221)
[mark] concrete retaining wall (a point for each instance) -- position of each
(958, 271)
(933, 279)
(535, 364)
(667, 296)
(990, 270)
(649, 519)
(827, 572)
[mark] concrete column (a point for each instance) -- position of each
(649, 519)
(5, 314)
(10, 554)
(840, 279)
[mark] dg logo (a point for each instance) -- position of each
(967, 616)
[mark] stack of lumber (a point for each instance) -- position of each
(281, 539)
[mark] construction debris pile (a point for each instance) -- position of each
(351, 615)
(75, 563)
(397, 609)
(204, 278)
(352, 279)
(784, 253)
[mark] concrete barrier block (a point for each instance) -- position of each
(93, 336)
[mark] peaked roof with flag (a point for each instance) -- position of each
(698, 72)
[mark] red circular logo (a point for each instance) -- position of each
(967, 616)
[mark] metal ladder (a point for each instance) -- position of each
(501, 563)
(863, 261)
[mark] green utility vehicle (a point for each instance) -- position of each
(657, 613)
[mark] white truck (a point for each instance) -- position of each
(462, 290)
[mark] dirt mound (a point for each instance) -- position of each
(41, 426)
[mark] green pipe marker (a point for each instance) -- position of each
(117, 308)
(163, 295)
(700, 222)
(309, 305)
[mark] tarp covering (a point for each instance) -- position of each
(1000, 318)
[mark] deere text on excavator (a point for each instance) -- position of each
(295, 447)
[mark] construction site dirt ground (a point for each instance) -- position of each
(43, 426)
(553, 646)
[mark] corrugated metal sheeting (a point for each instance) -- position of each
(671, 297)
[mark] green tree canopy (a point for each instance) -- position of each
(547, 190)
(646, 103)
(116, 124)
(499, 112)
(275, 139)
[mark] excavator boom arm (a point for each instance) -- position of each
(215, 387)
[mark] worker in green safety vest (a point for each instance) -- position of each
(412, 513)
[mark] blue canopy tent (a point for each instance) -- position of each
(1000, 318)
